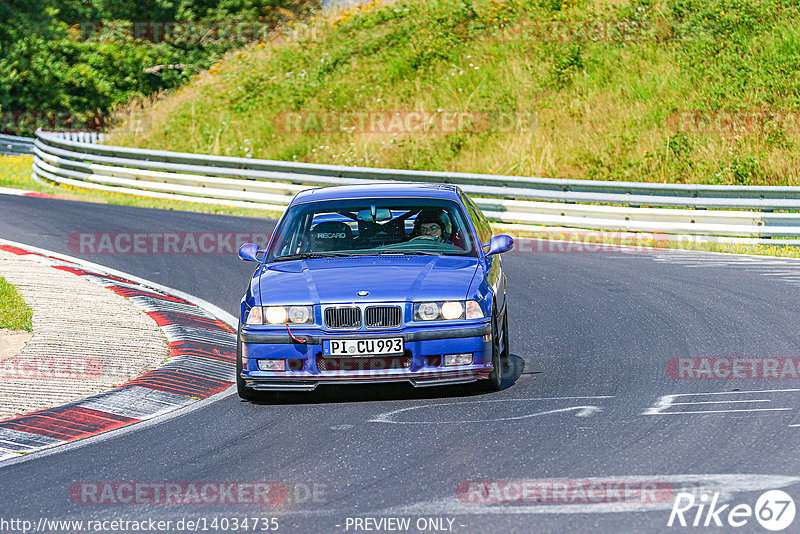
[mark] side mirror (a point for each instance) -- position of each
(249, 252)
(500, 244)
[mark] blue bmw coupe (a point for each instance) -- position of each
(391, 282)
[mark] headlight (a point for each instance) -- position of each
(275, 314)
(427, 311)
(281, 315)
(451, 310)
(300, 314)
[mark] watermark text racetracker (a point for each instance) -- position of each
(734, 368)
(735, 122)
(528, 492)
(27, 367)
(590, 242)
(272, 494)
(405, 121)
(28, 120)
(162, 242)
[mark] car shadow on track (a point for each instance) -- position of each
(326, 394)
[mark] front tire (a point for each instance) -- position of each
(495, 380)
(506, 354)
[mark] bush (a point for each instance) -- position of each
(67, 64)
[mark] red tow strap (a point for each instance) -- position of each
(296, 340)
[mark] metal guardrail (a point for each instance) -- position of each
(11, 145)
(713, 210)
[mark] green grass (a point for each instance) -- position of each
(15, 314)
(618, 108)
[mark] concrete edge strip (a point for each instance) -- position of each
(199, 369)
(27, 193)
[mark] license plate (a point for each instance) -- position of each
(363, 347)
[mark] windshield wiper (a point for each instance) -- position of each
(313, 255)
(408, 253)
(310, 255)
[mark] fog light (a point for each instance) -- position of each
(271, 365)
(457, 359)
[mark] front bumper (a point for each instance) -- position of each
(422, 347)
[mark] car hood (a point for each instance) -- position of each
(387, 278)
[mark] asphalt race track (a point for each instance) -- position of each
(592, 335)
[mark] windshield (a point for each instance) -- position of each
(373, 226)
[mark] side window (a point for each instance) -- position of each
(287, 241)
(481, 224)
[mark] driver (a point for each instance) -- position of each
(433, 223)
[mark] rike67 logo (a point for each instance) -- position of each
(774, 510)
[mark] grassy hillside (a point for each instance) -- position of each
(670, 91)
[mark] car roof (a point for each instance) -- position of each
(379, 189)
